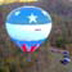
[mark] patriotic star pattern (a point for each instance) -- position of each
(28, 27)
(20, 16)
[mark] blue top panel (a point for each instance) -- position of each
(28, 15)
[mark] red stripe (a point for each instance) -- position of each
(24, 48)
(33, 48)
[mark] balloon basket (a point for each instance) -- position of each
(29, 59)
(32, 56)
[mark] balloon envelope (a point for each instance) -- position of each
(28, 27)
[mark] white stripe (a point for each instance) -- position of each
(27, 32)
(37, 46)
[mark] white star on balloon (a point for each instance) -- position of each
(32, 18)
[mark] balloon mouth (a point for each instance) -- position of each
(32, 49)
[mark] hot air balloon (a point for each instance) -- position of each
(28, 27)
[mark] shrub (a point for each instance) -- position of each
(60, 42)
